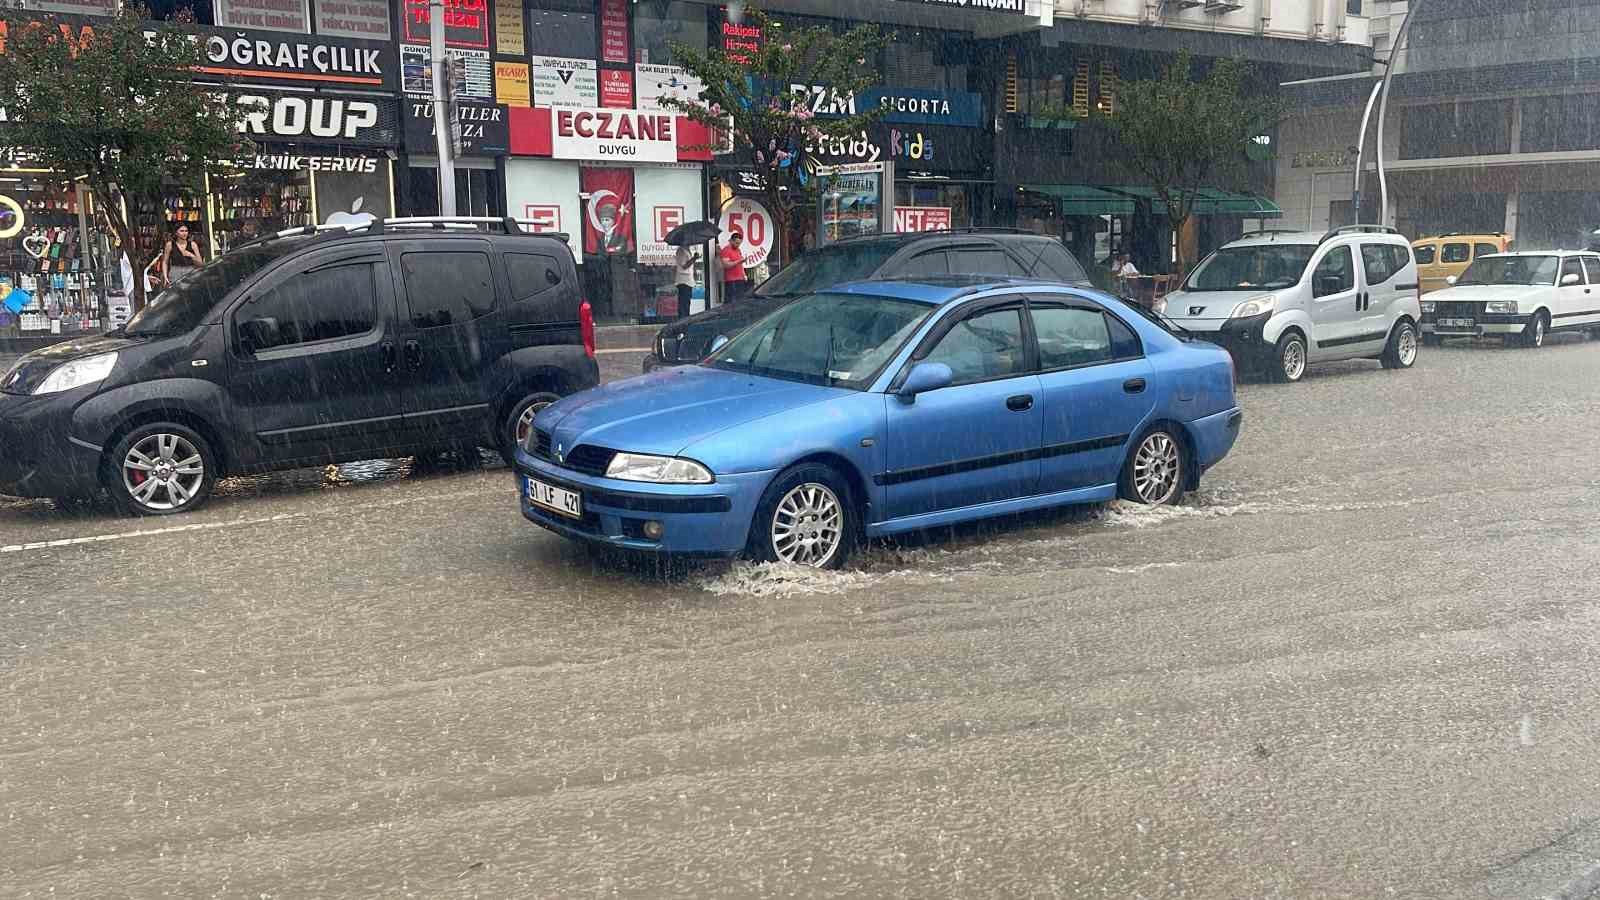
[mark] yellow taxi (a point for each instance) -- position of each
(1439, 258)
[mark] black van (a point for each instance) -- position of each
(311, 346)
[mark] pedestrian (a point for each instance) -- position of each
(1125, 268)
(181, 256)
(683, 276)
(735, 283)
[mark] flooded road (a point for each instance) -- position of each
(1360, 662)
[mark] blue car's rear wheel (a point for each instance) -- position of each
(807, 517)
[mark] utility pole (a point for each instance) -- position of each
(1380, 94)
(443, 108)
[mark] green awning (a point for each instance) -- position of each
(1083, 200)
(1213, 202)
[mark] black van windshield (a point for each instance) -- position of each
(184, 305)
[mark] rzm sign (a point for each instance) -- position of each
(275, 116)
(910, 106)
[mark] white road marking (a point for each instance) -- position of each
(146, 532)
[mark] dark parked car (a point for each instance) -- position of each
(308, 347)
(977, 251)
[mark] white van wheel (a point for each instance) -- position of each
(1291, 362)
(1402, 350)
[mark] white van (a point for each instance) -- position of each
(1519, 296)
(1279, 300)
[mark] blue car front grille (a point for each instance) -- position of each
(585, 458)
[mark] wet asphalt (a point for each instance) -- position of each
(1360, 662)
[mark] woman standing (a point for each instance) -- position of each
(181, 256)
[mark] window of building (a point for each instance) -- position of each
(1475, 128)
(1561, 123)
(447, 288)
(657, 26)
(563, 28)
(319, 305)
(927, 59)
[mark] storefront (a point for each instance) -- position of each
(49, 253)
(615, 181)
(484, 141)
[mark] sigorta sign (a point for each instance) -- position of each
(619, 135)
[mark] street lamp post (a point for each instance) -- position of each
(1380, 94)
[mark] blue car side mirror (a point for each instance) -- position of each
(925, 377)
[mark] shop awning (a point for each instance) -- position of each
(1083, 200)
(1213, 202)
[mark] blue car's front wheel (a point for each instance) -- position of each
(807, 517)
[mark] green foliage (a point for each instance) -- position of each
(1182, 135)
(749, 95)
(115, 106)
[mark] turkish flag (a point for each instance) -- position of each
(608, 220)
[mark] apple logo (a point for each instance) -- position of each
(355, 218)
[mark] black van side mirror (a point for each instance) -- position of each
(258, 334)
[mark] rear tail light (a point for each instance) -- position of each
(586, 326)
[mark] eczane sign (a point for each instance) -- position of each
(624, 135)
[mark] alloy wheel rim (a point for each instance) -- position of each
(1294, 360)
(1538, 331)
(525, 421)
(1408, 346)
(1155, 468)
(808, 525)
(163, 471)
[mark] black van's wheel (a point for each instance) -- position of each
(1401, 353)
(807, 517)
(160, 469)
(519, 422)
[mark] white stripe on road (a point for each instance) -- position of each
(147, 532)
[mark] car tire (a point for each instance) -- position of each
(1401, 351)
(1534, 334)
(807, 516)
(160, 469)
(1156, 470)
(513, 431)
(1289, 362)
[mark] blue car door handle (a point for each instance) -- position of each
(1020, 402)
(1134, 385)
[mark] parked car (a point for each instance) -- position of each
(882, 407)
(1520, 296)
(1448, 255)
(1280, 300)
(311, 346)
(972, 251)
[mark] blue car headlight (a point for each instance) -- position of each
(657, 469)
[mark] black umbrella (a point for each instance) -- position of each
(693, 233)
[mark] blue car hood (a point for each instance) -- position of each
(667, 410)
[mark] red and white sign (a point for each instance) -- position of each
(614, 46)
(614, 135)
(544, 217)
(921, 218)
(752, 220)
(616, 88)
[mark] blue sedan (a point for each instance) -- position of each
(884, 407)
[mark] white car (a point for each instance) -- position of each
(1520, 296)
(1280, 300)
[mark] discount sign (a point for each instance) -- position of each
(752, 220)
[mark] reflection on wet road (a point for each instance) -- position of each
(1360, 662)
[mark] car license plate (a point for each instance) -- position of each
(566, 503)
(1457, 323)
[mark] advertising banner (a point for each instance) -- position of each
(511, 84)
(616, 88)
(652, 83)
(608, 219)
(621, 135)
(614, 44)
(353, 198)
(921, 218)
(565, 81)
(509, 36)
(283, 117)
(466, 23)
(270, 15)
(273, 57)
(668, 196)
(751, 219)
(474, 71)
(484, 130)
(354, 18)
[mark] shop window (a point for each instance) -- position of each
(531, 274)
(319, 305)
(447, 288)
(658, 25)
(563, 28)
(1069, 336)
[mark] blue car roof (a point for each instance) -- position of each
(934, 290)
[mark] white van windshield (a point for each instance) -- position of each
(1253, 268)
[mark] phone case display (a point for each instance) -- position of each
(47, 284)
(249, 205)
(181, 208)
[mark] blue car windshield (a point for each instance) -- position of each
(842, 340)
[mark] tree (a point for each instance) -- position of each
(1183, 135)
(114, 103)
(749, 95)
